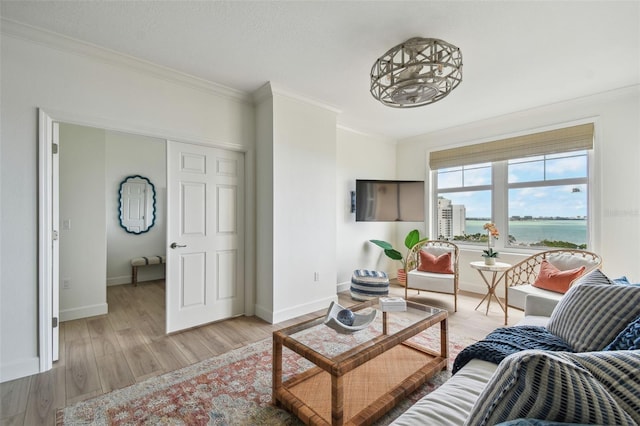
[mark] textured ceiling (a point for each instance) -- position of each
(517, 54)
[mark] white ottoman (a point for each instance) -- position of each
(367, 285)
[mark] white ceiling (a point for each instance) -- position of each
(517, 54)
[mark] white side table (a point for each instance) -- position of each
(497, 268)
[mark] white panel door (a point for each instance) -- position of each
(205, 215)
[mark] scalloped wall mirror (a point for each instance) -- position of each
(137, 204)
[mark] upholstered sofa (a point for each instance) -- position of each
(596, 381)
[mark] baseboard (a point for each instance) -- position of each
(142, 277)
(345, 286)
(21, 368)
(275, 317)
(124, 279)
(83, 312)
(264, 314)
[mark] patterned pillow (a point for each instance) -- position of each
(628, 339)
(594, 277)
(590, 316)
(590, 388)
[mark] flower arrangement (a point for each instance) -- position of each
(492, 231)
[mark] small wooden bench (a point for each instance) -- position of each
(136, 262)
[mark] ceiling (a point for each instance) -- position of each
(517, 54)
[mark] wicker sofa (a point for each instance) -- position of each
(520, 278)
(537, 384)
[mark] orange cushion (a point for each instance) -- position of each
(437, 265)
(552, 279)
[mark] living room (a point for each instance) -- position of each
(301, 163)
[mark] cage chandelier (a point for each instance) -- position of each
(418, 72)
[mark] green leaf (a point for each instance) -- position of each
(412, 238)
(382, 244)
(393, 254)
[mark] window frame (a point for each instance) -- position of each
(500, 202)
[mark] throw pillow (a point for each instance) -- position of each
(438, 265)
(623, 280)
(573, 388)
(552, 279)
(628, 339)
(594, 277)
(590, 316)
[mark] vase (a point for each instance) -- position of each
(489, 260)
(402, 277)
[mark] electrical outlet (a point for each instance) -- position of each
(316, 276)
(66, 283)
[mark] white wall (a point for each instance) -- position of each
(264, 203)
(361, 156)
(128, 155)
(83, 242)
(615, 199)
(302, 219)
(82, 85)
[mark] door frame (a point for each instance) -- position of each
(45, 209)
(46, 262)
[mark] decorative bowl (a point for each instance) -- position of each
(360, 321)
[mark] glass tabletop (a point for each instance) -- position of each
(327, 342)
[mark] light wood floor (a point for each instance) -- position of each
(128, 345)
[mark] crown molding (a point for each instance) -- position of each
(69, 44)
(271, 89)
(367, 134)
(263, 93)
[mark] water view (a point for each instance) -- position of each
(531, 231)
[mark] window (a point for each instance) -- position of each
(537, 199)
(464, 195)
(548, 201)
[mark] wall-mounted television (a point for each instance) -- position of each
(389, 201)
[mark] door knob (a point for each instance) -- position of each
(176, 245)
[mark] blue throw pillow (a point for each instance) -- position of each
(628, 339)
(623, 280)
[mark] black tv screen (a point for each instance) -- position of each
(389, 201)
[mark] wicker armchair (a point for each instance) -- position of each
(520, 277)
(428, 281)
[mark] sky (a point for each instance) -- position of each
(536, 201)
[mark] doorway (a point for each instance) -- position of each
(51, 228)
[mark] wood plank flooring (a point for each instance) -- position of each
(128, 345)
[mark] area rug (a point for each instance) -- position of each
(230, 389)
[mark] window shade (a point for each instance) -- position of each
(568, 139)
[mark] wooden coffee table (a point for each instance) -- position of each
(357, 378)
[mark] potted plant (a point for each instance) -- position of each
(490, 254)
(412, 238)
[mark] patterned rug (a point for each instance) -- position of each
(230, 389)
